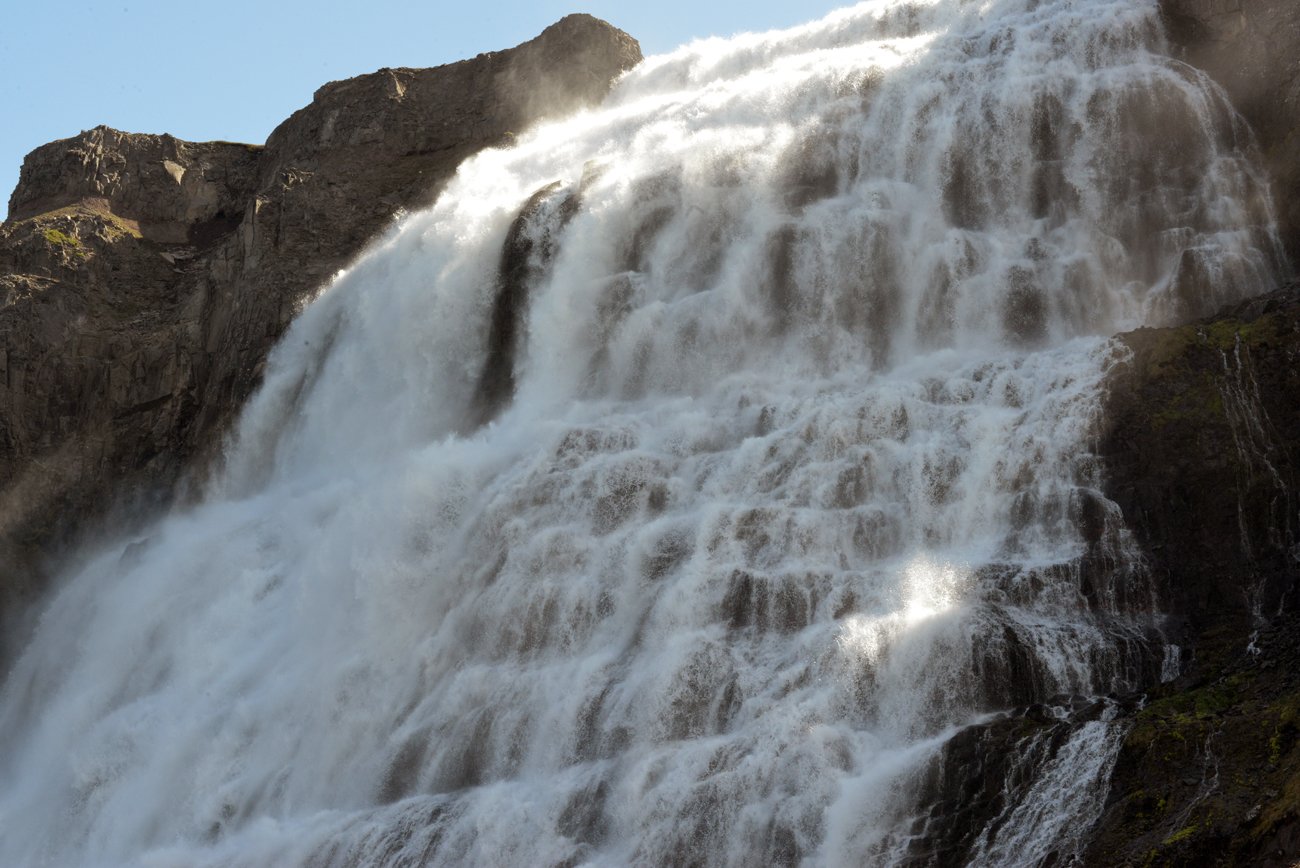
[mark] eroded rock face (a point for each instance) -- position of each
(1202, 451)
(1252, 49)
(1209, 772)
(144, 279)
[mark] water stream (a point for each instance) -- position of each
(677, 486)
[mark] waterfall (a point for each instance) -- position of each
(677, 487)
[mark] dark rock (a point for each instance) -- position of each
(1209, 773)
(528, 250)
(144, 279)
(975, 784)
(175, 192)
(1200, 447)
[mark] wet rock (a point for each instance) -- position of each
(1201, 439)
(1201, 442)
(1209, 773)
(977, 781)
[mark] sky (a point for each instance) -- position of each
(233, 70)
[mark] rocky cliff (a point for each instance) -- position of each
(1202, 445)
(144, 279)
(1199, 446)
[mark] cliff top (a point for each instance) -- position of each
(143, 176)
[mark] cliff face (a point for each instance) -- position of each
(1202, 453)
(1252, 49)
(1200, 441)
(144, 279)
(1201, 449)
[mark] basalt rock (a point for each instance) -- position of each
(144, 279)
(1209, 772)
(1200, 448)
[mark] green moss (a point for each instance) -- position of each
(1224, 334)
(1188, 358)
(1286, 710)
(1179, 703)
(1141, 737)
(1180, 835)
(1217, 698)
(54, 236)
(1282, 717)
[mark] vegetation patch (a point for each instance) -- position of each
(97, 208)
(54, 236)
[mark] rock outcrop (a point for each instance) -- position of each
(1202, 452)
(1252, 49)
(1209, 772)
(144, 279)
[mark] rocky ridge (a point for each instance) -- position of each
(144, 279)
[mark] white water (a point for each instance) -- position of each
(787, 494)
(1059, 809)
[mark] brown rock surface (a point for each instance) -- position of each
(1252, 49)
(144, 279)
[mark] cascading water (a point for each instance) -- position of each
(683, 519)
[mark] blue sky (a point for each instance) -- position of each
(234, 70)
